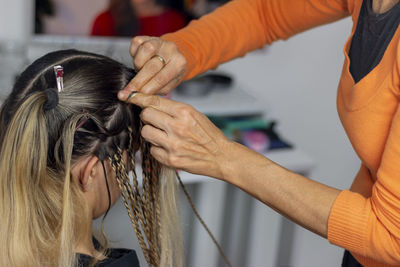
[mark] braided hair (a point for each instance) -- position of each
(43, 133)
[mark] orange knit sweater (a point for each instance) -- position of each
(366, 219)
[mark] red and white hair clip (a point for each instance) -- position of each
(59, 72)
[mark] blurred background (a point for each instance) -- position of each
(269, 100)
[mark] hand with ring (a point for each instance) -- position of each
(159, 63)
(182, 137)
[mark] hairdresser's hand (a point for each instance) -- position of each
(182, 137)
(159, 63)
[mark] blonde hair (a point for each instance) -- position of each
(40, 207)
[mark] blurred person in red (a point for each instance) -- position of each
(137, 17)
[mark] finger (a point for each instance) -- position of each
(149, 70)
(169, 87)
(154, 135)
(173, 70)
(164, 81)
(145, 52)
(156, 118)
(142, 100)
(136, 43)
(160, 154)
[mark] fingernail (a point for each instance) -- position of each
(132, 94)
(121, 95)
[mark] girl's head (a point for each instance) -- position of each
(65, 157)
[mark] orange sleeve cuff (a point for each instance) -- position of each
(348, 222)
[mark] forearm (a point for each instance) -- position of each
(302, 200)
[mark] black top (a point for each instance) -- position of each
(115, 258)
(371, 38)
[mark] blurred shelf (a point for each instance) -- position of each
(224, 102)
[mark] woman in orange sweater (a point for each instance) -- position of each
(364, 220)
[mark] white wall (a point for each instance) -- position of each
(16, 19)
(298, 79)
(74, 17)
(16, 25)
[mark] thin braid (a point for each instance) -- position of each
(221, 252)
(139, 212)
(131, 196)
(135, 194)
(124, 193)
(146, 206)
(155, 179)
(148, 209)
(153, 194)
(136, 191)
(134, 175)
(152, 225)
(147, 194)
(152, 191)
(134, 203)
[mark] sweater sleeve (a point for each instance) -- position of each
(241, 26)
(370, 227)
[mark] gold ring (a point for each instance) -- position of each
(130, 96)
(160, 58)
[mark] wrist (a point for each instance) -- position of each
(185, 51)
(229, 162)
(240, 162)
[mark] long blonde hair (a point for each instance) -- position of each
(41, 209)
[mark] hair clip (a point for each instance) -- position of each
(82, 120)
(59, 72)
